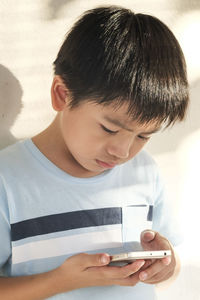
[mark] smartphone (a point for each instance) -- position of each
(131, 256)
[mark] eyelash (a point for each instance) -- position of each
(143, 137)
(108, 130)
(114, 132)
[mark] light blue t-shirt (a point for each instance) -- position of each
(47, 215)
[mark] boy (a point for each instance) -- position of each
(82, 189)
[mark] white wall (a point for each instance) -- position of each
(31, 33)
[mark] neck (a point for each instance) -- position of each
(50, 142)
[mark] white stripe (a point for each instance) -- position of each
(68, 244)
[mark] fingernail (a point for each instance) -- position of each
(104, 259)
(149, 232)
(143, 276)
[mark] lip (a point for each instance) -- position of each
(105, 164)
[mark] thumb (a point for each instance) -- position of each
(95, 260)
(152, 240)
(147, 236)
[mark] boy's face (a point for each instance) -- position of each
(99, 137)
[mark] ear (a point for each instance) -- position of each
(59, 94)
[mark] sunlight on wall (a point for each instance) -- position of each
(189, 159)
(187, 29)
(181, 168)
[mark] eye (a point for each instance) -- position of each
(145, 138)
(108, 130)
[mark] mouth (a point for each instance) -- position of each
(105, 164)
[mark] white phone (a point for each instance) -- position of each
(131, 256)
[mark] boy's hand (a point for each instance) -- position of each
(84, 270)
(159, 269)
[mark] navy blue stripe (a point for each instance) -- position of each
(138, 205)
(150, 213)
(66, 221)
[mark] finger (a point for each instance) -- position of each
(152, 240)
(159, 277)
(152, 270)
(148, 263)
(92, 260)
(132, 268)
(166, 260)
(147, 236)
(125, 271)
(128, 281)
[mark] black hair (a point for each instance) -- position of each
(112, 55)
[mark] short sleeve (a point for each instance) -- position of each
(5, 248)
(165, 221)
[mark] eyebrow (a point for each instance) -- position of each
(119, 124)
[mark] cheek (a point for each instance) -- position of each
(76, 141)
(82, 141)
(71, 134)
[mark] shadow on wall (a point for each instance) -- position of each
(10, 105)
(180, 131)
(54, 7)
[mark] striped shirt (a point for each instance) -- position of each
(47, 215)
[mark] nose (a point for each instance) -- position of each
(121, 149)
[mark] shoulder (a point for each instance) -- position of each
(9, 151)
(12, 156)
